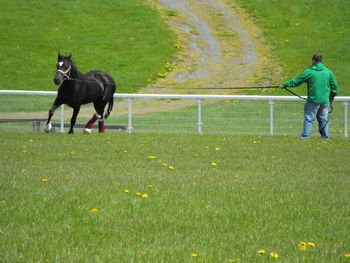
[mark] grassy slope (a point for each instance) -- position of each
(124, 38)
(299, 29)
(265, 193)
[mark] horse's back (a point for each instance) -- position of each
(100, 76)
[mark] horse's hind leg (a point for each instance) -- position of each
(99, 107)
(74, 118)
(55, 105)
(91, 123)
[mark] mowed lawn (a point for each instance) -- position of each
(296, 30)
(173, 198)
(125, 38)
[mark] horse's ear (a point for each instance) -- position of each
(58, 56)
(70, 55)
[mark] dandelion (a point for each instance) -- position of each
(44, 180)
(162, 75)
(150, 186)
(156, 189)
(72, 152)
(302, 246)
(274, 156)
(165, 164)
(311, 244)
(178, 45)
(144, 195)
(125, 151)
(194, 255)
(152, 157)
(126, 191)
(138, 193)
(24, 151)
(30, 140)
(217, 149)
(261, 251)
(274, 255)
(108, 142)
(94, 210)
(214, 164)
(232, 260)
(347, 255)
(23, 146)
(171, 167)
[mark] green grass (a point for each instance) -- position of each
(299, 29)
(265, 193)
(125, 38)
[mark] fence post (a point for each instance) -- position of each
(62, 119)
(130, 116)
(271, 102)
(199, 124)
(346, 119)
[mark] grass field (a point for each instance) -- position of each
(74, 198)
(114, 36)
(299, 29)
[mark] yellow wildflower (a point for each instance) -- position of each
(274, 255)
(108, 142)
(213, 164)
(150, 186)
(232, 260)
(30, 140)
(23, 146)
(144, 196)
(125, 151)
(94, 210)
(72, 152)
(152, 157)
(44, 180)
(261, 251)
(126, 191)
(165, 164)
(194, 255)
(156, 189)
(171, 167)
(274, 156)
(311, 244)
(24, 151)
(347, 255)
(138, 193)
(217, 149)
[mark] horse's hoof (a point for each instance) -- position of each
(87, 131)
(48, 127)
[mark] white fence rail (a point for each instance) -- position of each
(198, 108)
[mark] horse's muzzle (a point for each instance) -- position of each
(57, 81)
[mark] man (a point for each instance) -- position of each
(322, 87)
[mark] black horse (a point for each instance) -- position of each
(78, 89)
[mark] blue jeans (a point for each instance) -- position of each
(312, 110)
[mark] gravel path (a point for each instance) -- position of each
(223, 44)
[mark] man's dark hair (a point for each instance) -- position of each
(317, 58)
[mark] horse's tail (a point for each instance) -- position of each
(110, 107)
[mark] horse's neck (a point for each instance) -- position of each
(75, 73)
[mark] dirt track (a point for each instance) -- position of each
(221, 47)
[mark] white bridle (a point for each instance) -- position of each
(65, 73)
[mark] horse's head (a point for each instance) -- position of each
(63, 68)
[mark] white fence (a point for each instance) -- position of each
(238, 114)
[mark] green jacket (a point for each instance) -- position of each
(321, 83)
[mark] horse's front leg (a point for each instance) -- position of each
(55, 105)
(74, 118)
